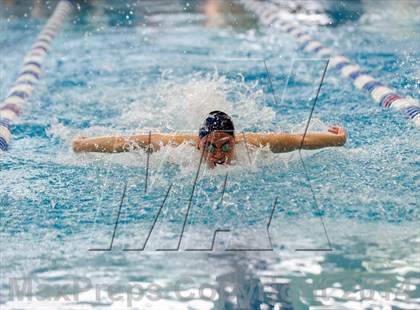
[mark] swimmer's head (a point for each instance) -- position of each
(217, 121)
(217, 139)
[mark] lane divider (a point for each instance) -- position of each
(268, 13)
(30, 72)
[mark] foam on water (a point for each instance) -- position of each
(184, 102)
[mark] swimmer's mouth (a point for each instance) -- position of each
(219, 162)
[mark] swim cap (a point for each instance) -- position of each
(216, 121)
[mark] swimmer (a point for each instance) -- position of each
(216, 140)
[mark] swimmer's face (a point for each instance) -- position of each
(218, 148)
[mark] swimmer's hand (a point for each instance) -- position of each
(340, 133)
(77, 143)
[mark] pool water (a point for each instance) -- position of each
(161, 66)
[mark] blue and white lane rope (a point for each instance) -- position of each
(30, 73)
(268, 13)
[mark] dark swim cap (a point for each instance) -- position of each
(217, 121)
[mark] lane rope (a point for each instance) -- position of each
(30, 72)
(269, 15)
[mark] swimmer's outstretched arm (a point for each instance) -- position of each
(278, 142)
(283, 142)
(117, 144)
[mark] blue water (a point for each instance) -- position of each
(160, 66)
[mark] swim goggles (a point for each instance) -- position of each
(211, 148)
